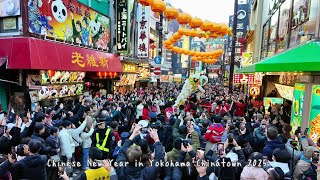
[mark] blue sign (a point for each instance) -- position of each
(158, 60)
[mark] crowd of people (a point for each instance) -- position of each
(141, 135)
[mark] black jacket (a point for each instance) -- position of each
(45, 150)
(6, 144)
(31, 167)
(53, 143)
(144, 172)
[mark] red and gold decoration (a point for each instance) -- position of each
(146, 2)
(107, 74)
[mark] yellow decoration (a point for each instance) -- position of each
(195, 23)
(206, 26)
(184, 18)
(158, 6)
(171, 13)
(146, 2)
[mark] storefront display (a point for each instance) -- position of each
(143, 73)
(267, 102)
(61, 77)
(314, 116)
(128, 79)
(297, 105)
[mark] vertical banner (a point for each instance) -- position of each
(297, 108)
(143, 31)
(185, 58)
(122, 25)
(314, 116)
(267, 102)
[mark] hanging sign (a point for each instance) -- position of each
(143, 31)
(122, 25)
(243, 79)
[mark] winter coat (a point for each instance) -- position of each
(75, 133)
(53, 143)
(86, 138)
(45, 150)
(145, 114)
(67, 143)
(139, 111)
(270, 146)
(240, 107)
(254, 173)
(6, 143)
(31, 167)
(145, 172)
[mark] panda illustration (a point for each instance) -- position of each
(53, 93)
(59, 11)
(43, 93)
(95, 29)
(63, 91)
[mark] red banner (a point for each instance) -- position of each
(31, 53)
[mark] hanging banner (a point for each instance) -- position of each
(69, 21)
(122, 25)
(285, 91)
(246, 59)
(143, 31)
(297, 106)
(314, 116)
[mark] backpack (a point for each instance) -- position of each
(310, 173)
(214, 133)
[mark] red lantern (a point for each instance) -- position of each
(105, 74)
(51, 73)
(115, 74)
(99, 74)
(110, 74)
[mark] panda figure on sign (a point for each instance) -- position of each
(44, 93)
(59, 11)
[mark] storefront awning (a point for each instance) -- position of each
(32, 53)
(304, 58)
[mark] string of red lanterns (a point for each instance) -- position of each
(106, 74)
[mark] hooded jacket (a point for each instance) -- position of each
(270, 146)
(254, 173)
(31, 167)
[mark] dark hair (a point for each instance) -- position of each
(34, 146)
(114, 124)
(79, 23)
(206, 123)
(40, 117)
(287, 128)
(25, 140)
(95, 153)
(272, 132)
(257, 157)
(276, 173)
(38, 126)
(85, 20)
(66, 124)
(281, 155)
(53, 130)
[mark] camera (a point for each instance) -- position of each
(315, 157)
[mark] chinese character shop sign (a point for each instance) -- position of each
(122, 25)
(243, 79)
(143, 32)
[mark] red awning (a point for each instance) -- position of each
(32, 53)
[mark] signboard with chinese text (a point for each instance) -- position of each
(243, 79)
(285, 91)
(254, 90)
(258, 78)
(297, 105)
(314, 116)
(9, 8)
(143, 31)
(69, 21)
(122, 25)
(128, 79)
(128, 67)
(144, 73)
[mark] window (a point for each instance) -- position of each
(8, 24)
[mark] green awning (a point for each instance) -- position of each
(304, 58)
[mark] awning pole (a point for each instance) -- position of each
(3, 80)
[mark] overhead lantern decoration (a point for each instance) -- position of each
(184, 19)
(145, 2)
(158, 6)
(171, 13)
(206, 26)
(195, 23)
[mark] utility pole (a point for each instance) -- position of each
(233, 48)
(160, 28)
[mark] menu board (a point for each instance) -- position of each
(285, 91)
(61, 77)
(297, 105)
(267, 102)
(314, 116)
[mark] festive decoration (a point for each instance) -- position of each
(206, 26)
(195, 23)
(171, 13)
(158, 6)
(184, 18)
(146, 2)
(51, 73)
(194, 83)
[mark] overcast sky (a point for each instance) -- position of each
(212, 10)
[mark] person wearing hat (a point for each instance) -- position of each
(123, 136)
(103, 139)
(11, 136)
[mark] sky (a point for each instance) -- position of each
(212, 10)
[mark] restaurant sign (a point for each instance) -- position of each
(122, 25)
(143, 31)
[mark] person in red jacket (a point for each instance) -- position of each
(240, 107)
(145, 113)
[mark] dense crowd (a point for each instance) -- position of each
(141, 135)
